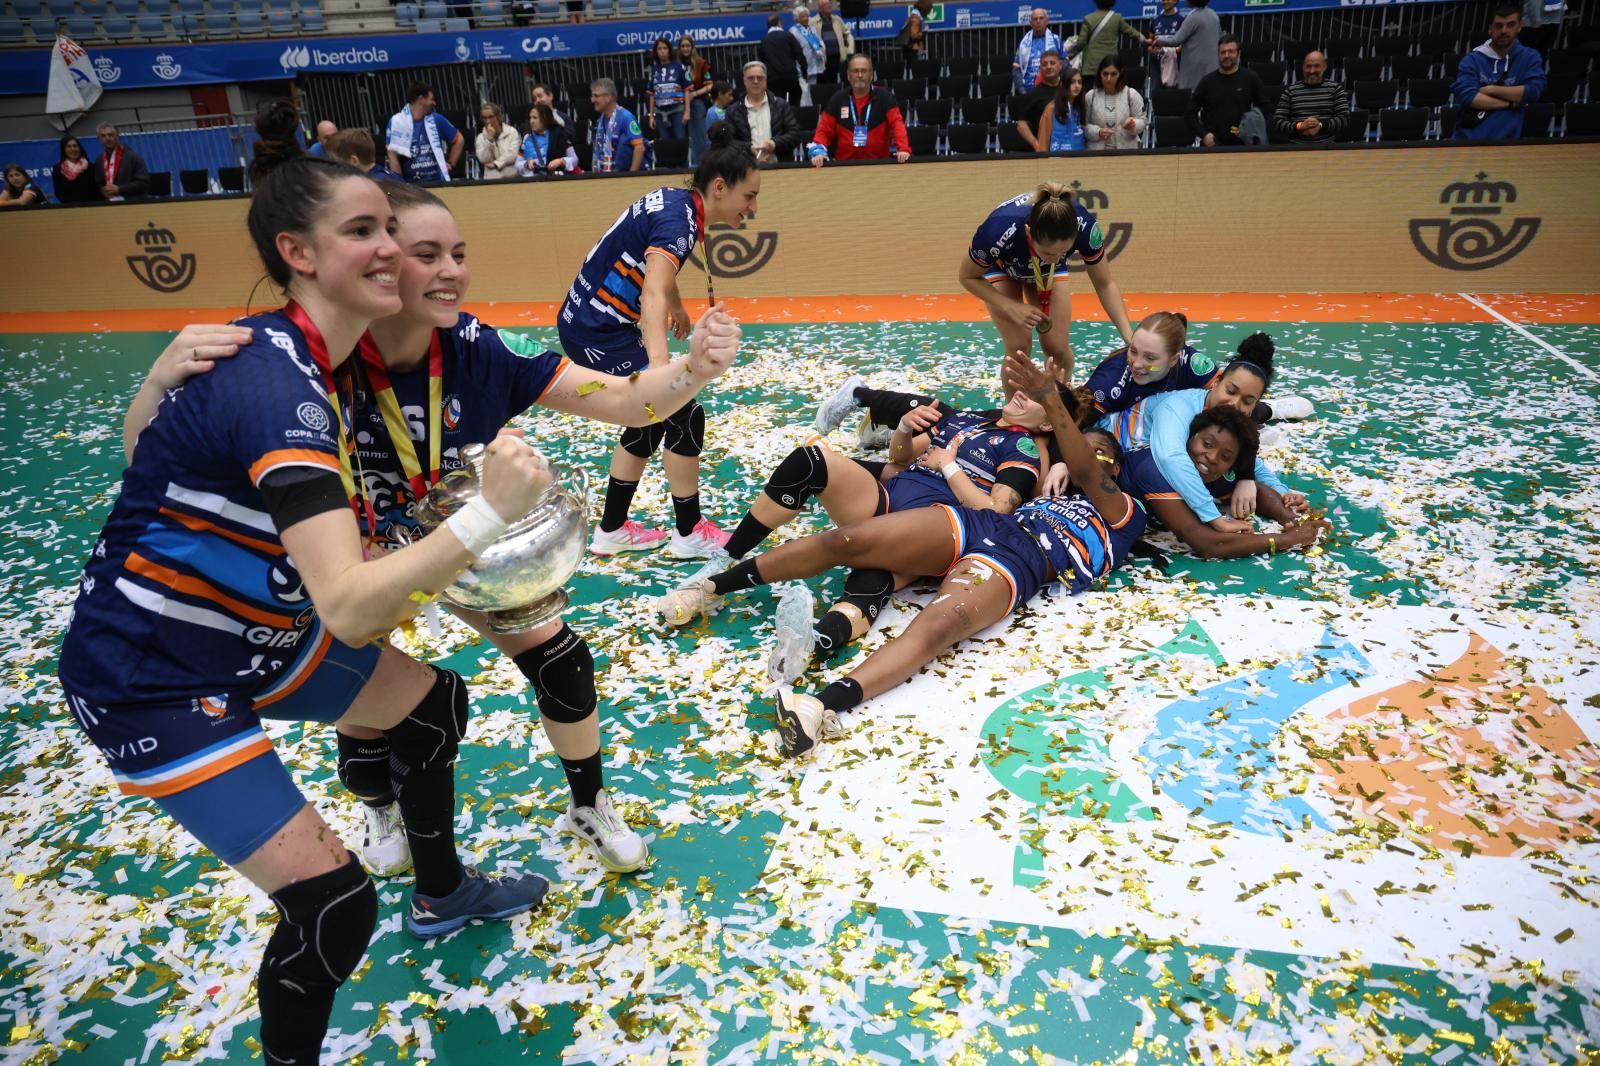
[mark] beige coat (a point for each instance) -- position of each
(847, 43)
(499, 156)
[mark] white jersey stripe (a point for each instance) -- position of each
(188, 765)
(181, 612)
(222, 507)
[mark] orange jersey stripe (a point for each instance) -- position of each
(291, 457)
(306, 671)
(193, 586)
(201, 773)
(677, 264)
(618, 304)
(200, 525)
(633, 274)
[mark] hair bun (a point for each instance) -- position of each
(1258, 349)
(277, 126)
(720, 135)
(1181, 317)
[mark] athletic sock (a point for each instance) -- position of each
(833, 633)
(619, 499)
(749, 534)
(686, 510)
(743, 576)
(585, 777)
(842, 695)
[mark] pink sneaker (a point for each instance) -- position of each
(706, 538)
(630, 537)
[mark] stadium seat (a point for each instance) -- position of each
(1559, 89)
(82, 28)
(1402, 68)
(1355, 130)
(1574, 61)
(1360, 69)
(655, 7)
(311, 18)
(1294, 53)
(627, 7)
(672, 153)
(1269, 73)
(682, 6)
(967, 139)
(1583, 120)
(60, 8)
(1134, 78)
(1269, 100)
(1389, 47)
(927, 69)
(1173, 132)
(1440, 44)
(160, 184)
(231, 179)
(194, 182)
(250, 22)
(1017, 106)
(931, 112)
(11, 30)
(1537, 120)
(1374, 95)
(405, 14)
(601, 8)
(1010, 139)
(280, 18)
(907, 90)
(150, 25)
(963, 66)
(43, 28)
(548, 9)
(1428, 92)
(980, 112)
(1169, 101)
(434, 9)
(995, 85)
(1257, 51)
(823, 91)
(125, 7)
(1403, 123)
(27, 9)
(92, 7)
(806, 117)
(953, 88)
(924, 140)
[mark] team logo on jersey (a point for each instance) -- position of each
(1200, 363)
(158, 268)
(1471, 238)
(734, 255)
(213, 707)
(1028, 448)
(452, 413)
(313, 417)
(1113, 239)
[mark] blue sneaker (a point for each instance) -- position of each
(479, 895)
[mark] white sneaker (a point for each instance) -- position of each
(794, 638)
(628, 537)
(872, 437)
(384, 847)
(715, 563)
(802, 721)
(619, 848)
(1270, 435)
(833, 411)
(706, 538)
(686, 603)
(1291, 408)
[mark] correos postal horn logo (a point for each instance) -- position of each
(158, 268)
(1473, 238)
(107, 70)
(733, 255)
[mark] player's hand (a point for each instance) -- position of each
(1224, 524)
(1244, 499)
(919, 419)
(195, 350)
(1025, 374)
(1303, 535)
(714, 345)
(1055, 480)
(1209, 140)
(936, 456)
(1297, 503)
(514, 475)
(901, 157)
(678, 320)
(818, 160)
(1021, 314)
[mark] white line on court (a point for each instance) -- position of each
(1547, 346)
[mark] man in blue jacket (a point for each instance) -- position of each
(1497, 80)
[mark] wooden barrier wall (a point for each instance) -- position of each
(1521, 218)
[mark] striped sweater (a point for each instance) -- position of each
(1326, 101)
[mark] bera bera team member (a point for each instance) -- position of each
(861, 122)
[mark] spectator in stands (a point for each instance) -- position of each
(1166, 24)
(860, 122)
(18, 190)
(325, 129)
(422, 145)
(74, 175)
(721, 103)
(547, 150)
(1097, 37)
(497, 143)
(665, 87)
(698, 95)
(1220, 109)
(542, 94)
(1196, 41)
(838, 45)
(763, 121)
(120, 173)
(1313, 110)
(912, 38)
(1541, 21)
(1040, 38)
(780, 53)
(805, 35)
(1061, 125)
(1031, 112)
(1113, 112)
(618, 141)
(356, 147)
(1497, 80)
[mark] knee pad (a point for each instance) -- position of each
(561, 671)
(802, 475)
(868, 591)
(686, 430)
(642, 441)
(364, 769)
(324, 926)
(430, 735)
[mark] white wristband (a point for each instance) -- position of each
(476, 525)
(950, 470)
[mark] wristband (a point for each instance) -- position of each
(476, 525)
(950, 470)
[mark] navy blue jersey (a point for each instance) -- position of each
(1081, 545)
(189, 592)
(1115, 390)
(605, 296)
(615, 137)
(985, 452)
(666, 83)
(1001, 245)
(490, 377)
(1141, 477)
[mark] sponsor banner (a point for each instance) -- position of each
(1435, 219)
(145, 67)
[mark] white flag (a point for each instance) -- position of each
(73, 85)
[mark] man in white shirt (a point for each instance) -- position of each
(763, 121)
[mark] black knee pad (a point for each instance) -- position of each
(364, 769)
(561, 671)
(802, 475)
(430, 735)
(686, 430)
(642, 441)
(324, 926)
(868, 591)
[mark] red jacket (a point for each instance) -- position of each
(886, 129)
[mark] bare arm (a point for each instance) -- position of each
(656, 301)
(1091, 476)
(457, 146)
(1209, 543)
(910, 438)
(394, 163)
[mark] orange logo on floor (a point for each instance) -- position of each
(1471, 759)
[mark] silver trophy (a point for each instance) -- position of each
(520, 581)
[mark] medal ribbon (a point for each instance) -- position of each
(705, 246)
(361, 504)
(1043, 280)
(395, 421)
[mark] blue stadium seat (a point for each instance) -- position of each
(59, 8)
(434, 9)
(43, 27)
(125, 7)
(405, 14)
(251, 5)
(185, 24)
(215, 25)
(27, 9)
(655, 7)
(218, 7)
(430, 25)
(10, 30)
(311, 18)
(150, 24)
(280, 18)
(601, 8)
(627, 7)
(457, 25)
(250, 22)
(190, 7)
(92, 7)
(491, 13)
(82, 28)
(548, 9)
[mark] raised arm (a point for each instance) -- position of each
(1091, 477)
